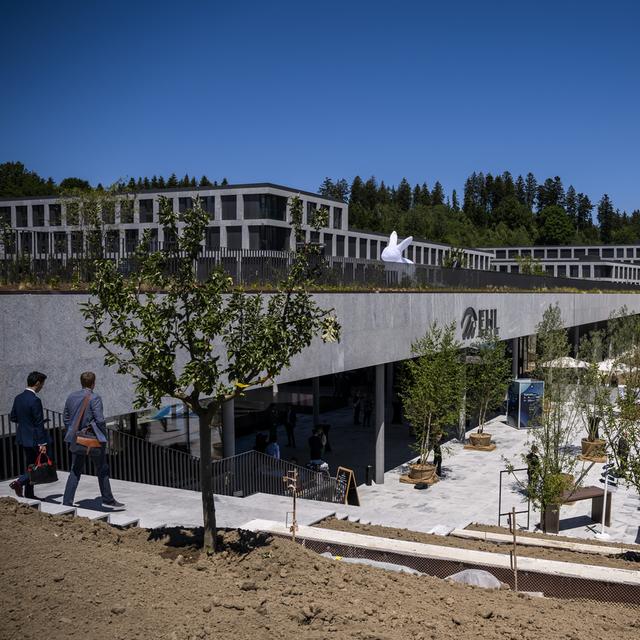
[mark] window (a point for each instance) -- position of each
(352, 247)
(503, 268)
(234, 235)
(619, 253)
(552, 253)
(340, 245)
(73, 213)
(109, 212)
(515, 268)
(513, 253)
(112, 241)
(328, 243)
(229, 207)
(184, 204)
(5, 215)
(363, 247)
(55, 215)
(260, 206)
(337, 217)
(37, 212)
(126, 211)
(562, 270)
(76, 242)
(130, 240)
(26, 241)
(314, 237)
(59, 242)
(525, 252)
(573, 271)
(146, 210)
(410, 253)
(373, 250)
(212, 238)
(208, 203)
(311, 211)
(169, 236)
(434, 257)
(269, 238)
(607, 252)
(501, 254)
(594, 252)
(22, 219)
(586, 270)
(565, 253)
(629, 253)
(42, 241)
(538, 253)
(549, 269)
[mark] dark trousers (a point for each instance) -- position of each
(291, 438)
(30, 455)
(101, 466)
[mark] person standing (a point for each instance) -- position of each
(357, 405)
(83, 409)
(31, 435)
(291, 426)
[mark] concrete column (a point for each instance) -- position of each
(388, 394)
(378, 474)
(515, 347)
(316, 401)
(228, 428)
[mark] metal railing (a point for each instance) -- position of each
(254, 472)
(134, 459)
(130, 458)
(268, 268)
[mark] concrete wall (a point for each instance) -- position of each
(45, 333)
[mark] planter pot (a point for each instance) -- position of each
(424, 472)
(593, 448)
(550, 519)
(480, 439)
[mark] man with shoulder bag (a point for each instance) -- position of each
(86, 428)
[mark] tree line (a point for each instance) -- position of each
(492, 210)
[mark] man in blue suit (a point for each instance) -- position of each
(78, 415)
(31, 435)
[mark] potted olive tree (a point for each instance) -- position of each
(432, 389)
(488, 373)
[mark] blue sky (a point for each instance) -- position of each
(291, 92)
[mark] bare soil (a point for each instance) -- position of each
(479, 545)
(65, 577)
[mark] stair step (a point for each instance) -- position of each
(340, 515)
(123, 520)
(353, 518)
(30, 502)
(56, 509)
(91, 514)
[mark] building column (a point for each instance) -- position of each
(515, 346)
(316, 401)
(228, 428)
(378, 474)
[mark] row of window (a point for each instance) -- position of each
(569, 252)
(260, 206)
(583, 271)
(262, 237)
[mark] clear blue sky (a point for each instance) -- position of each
(291, 92)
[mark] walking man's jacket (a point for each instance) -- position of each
(27, 412)
(93, 414)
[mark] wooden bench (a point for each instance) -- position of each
(595, 494)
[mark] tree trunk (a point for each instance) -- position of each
(206, 485)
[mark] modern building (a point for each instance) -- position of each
(249, 216)
(610, 263)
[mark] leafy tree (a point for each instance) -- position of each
(529, 266)
(16, 182)
(488, 376)
(199, 342)
(555, 226)
(74, 183)
(432, 386)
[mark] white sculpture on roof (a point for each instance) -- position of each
(393, 251)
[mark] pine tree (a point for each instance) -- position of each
(224, 182)
(550, 193)
(584, 211)
(425, 195)
(530, 190)
(571, 205)
(357, 191)
(146, 184)
(185, 181)
(154, 182)
(437, 195)
(131, 185)
(139, 184)
(161, 183)
(520, 190)
(403, 195)
(370, 193)
(455, 205)
(417, 193)
(606, 219)
(172, 182)
(193, 182)
(383, 194)
(205, 182)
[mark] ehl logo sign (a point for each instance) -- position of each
(475, 324)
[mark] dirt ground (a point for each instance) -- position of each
(64, 577)
(479, 545)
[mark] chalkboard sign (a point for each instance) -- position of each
(346, 490)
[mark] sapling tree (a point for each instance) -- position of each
(432, 387)
(488, 374)
(200, 340)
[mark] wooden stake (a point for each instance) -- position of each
(514, 553)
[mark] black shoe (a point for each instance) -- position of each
(612, 482)
(112, 503)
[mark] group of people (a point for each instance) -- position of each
(362, 405)
(83, 415)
